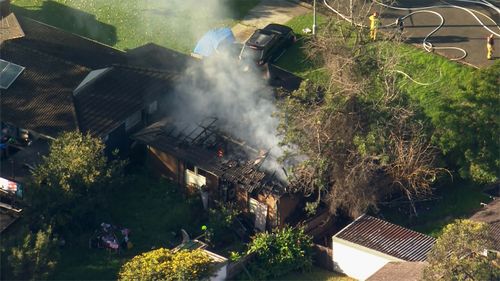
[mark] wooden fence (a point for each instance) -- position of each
(323, 257)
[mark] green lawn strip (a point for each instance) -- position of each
(153, 210)
(446, 77)
(127, 24)
(316, 274)
(456, 200)
(295, 59)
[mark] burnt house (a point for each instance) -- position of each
(201, 157)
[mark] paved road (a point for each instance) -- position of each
(267, 11)
(460, 28)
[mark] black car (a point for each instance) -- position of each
(267, 44)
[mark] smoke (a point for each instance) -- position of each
(241, 100)
(217, 87)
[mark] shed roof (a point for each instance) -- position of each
(401, 271)
(387, 238)
(491, 214)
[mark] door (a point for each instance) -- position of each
(260, 211)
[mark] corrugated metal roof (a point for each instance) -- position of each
(490, 214)
(387, 238)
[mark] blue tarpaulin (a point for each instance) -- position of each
(212, 40)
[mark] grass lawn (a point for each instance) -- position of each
(316, 274)
(294, 59)
(457, 200)
(152, 209)
(126, 24)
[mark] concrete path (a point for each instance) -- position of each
(460, 28)
(267, 11)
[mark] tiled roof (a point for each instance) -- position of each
(56, 62)
(104, 104)
(40, 99)
(158, 57)
(68, 46)
(491, 214)
(400, 271)
(10, 28)
(387, 238)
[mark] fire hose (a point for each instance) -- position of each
(426, 44)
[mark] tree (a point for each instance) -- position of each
(468, 126)
(72, 180)
(165, 264)
(361, 137)
(36, 257)
(459, 254)
(280, 252)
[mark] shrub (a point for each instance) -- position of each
(165, 264)
(280, 252)
(36, 257)
(220, 220)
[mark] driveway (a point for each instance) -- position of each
(460, 28)
(267, 11)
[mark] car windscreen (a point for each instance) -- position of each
(250, 53)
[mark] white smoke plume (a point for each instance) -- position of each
(243, 103)
(217, 87)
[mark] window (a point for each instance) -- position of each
(105, 138)
(133, 120)
(153, 107)
(8, 73)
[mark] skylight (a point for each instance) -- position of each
(8, 73)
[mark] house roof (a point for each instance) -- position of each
(56, 62)
(105, 102)
(10, 28)
(158, 57)
(491, 214)
(387, 238)
(68, 46)
(239, 165)
(401, 271)
(40, 99)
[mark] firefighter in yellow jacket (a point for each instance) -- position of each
(374, 24)
(490, 42)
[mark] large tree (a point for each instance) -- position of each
(165, 264)
(460, 254)
(360, 137)
(72, 179)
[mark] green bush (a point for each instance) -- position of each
(36, 257)
(280, 252)
(219, 224)
(165, 264)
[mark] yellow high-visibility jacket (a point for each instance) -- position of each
(374, 22)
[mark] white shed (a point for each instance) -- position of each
(368, 244)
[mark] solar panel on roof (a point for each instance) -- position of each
(8, 73)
